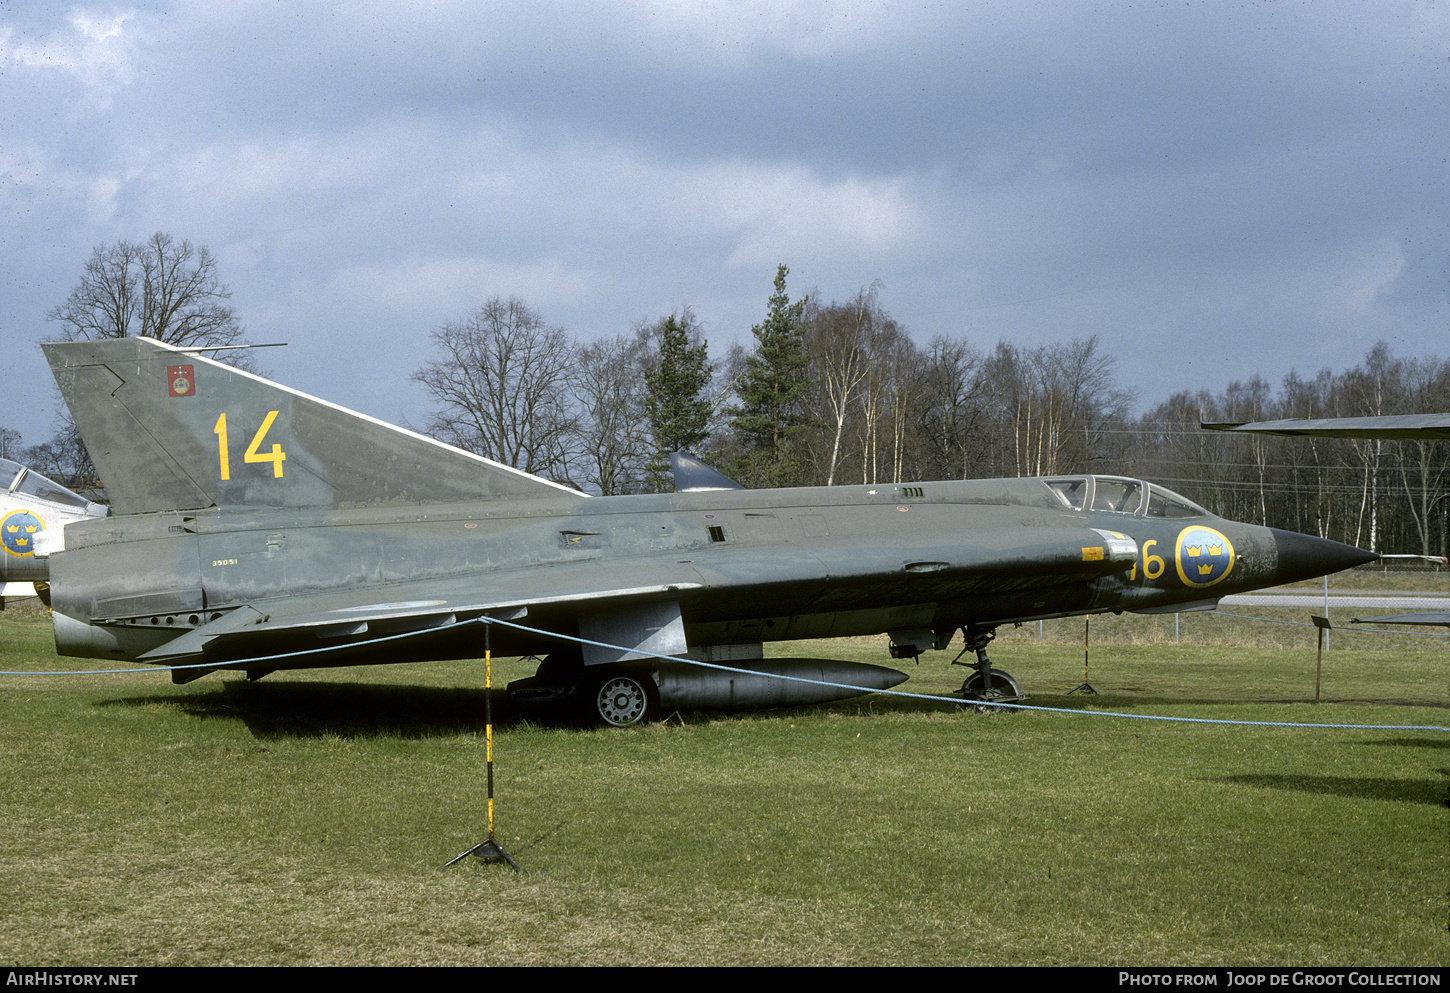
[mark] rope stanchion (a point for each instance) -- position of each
(489, 850)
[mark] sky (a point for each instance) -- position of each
(1215, 190)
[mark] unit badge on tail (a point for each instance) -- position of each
(181, 379)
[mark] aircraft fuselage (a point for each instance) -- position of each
(743, 566)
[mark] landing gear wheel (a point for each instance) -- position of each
(1004, 689)
(623, 700)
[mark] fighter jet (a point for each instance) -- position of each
(34, 511)
(256, 528)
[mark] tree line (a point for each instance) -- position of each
(837, 392)
(1389, 496)
(832, 393)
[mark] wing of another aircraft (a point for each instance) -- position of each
(1402, 427)
(1392, 427)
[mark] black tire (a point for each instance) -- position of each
(623, 699)
(1004, 687)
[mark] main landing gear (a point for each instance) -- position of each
(616, 695)
(990, 688)
(622, 699)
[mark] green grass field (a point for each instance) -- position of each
(305, 819)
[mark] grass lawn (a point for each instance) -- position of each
(305, 819)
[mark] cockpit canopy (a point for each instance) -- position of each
(17, 479)
(1123, 496)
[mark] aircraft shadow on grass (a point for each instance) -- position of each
(1429, 791)
(302, 709)
(322, 709)
(1114, 699)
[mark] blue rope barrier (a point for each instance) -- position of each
(802, 679)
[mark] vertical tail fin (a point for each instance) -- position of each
(169, 429)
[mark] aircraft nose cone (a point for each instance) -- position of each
(1302, 556)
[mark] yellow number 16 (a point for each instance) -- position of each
(276, 456)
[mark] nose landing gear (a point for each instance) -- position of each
(987, 688)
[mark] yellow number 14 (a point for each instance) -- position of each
(276, 456)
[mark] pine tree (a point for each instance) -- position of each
(771, 414)
(675, 403)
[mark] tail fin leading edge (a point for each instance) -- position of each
(169, 429)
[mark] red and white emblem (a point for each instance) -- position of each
(181, 380)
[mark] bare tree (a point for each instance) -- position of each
(1423, 463)
(889, 357)
(155, 289)
(503, 388)
(838, 339)
(1372, 390)
(862, 367)
(951, 404)
(1250, 401)
(9, 443)
(63, 458)
(613, 431)
(1054, 405)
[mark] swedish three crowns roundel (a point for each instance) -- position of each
(18, 532)
(1203, 556)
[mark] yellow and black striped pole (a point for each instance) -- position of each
(488, 850)
(1084, 686)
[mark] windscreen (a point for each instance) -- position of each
(28, 482)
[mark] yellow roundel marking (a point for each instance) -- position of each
(18, 532)
(1203, 556)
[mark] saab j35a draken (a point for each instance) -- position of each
(255, 528)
